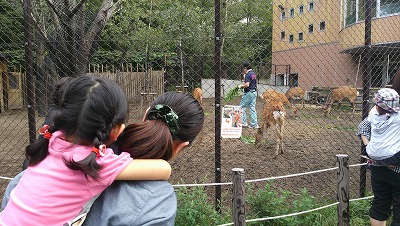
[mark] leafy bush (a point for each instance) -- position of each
(194, 208)
(235, 92)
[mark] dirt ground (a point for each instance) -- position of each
(311, 142)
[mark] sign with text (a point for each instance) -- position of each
(231, 124)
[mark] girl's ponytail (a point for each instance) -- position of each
(39, 150)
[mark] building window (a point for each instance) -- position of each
(311, 6)
(283, 15)
(310, 28)
(283, 35)
(354, 10)
(322, 26)
(291, 38)
(388, 7)
(292, 12)
(301, 9)
(301, 36)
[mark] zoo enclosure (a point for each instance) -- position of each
(322, 43)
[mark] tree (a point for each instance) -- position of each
(69, 31)
(12, 31)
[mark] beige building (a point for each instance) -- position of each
(319, 42)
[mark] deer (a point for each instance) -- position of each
(272, 95)
(338, 94)
(273, 115)
(295, 92)
(198, 95)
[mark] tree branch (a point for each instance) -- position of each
(55, 11)
(105, 12)
(76, 8)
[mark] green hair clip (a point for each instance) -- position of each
(161, 111)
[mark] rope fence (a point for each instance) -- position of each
(239, 193)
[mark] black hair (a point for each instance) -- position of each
(246, 65)
(153, 139)
(89, 108)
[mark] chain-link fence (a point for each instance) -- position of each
(149, 47)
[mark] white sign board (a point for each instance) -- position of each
(231, 124)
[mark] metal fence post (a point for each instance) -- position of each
(343, 210)
(238, 197)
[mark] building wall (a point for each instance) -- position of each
(384, 30)
(320, 65)
(324, 10)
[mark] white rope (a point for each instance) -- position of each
(369, 197)
(194, 185)
(287, 215)
(6, 178)
(292, 175)
(298, 213)
(257, 180)
(359, 164)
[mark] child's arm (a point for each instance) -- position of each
(146, 169)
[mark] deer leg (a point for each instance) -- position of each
(259, 135)
(281, 125)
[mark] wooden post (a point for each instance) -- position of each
(343, 210)
(238, 197)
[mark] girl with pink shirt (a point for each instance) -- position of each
(73, 165)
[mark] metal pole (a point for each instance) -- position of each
(366, 85)
(218, 72)
(29, 71)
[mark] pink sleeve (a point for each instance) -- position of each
(112, 165)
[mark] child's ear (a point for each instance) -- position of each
(178, 146)
(145, 114)
(116, 131)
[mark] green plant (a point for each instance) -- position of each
(194, 208)
(235, 92)
(248, 139)
(270, 202)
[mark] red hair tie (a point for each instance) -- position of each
(99, 151)
(45, 131)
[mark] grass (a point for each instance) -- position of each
(195, 208)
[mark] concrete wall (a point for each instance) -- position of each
(208, 87)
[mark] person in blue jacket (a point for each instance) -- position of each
(249, 97)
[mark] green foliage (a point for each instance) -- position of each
(248, 139)
(194, 208)
(235, 92)
(269, 202)
(11, 26)
(359, 212)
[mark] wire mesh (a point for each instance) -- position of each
(149, 47)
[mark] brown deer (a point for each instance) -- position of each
(296, 92)
(271, 95)
(198, 95)
(338, 94)
(273, 115)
